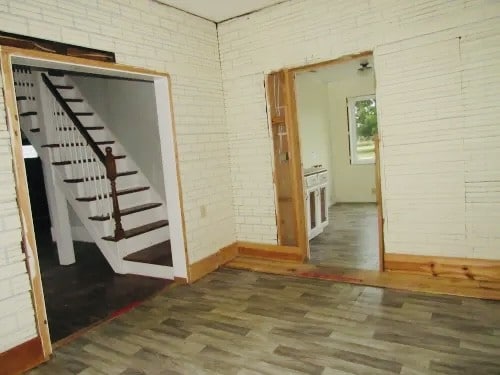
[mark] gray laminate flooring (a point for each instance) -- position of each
(238, 322)
(351, 238)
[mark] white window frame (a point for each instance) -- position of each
(353, 136)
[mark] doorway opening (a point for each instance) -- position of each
(81, 294)
(327, 163)
(100, 198)
(337, 122)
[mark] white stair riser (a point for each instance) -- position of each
(139, 218)
(70, 153)
(131, 245)
(151, 270)
(125, 200)
(89, 187)
(26, 106)
(79, 106)
(100, 134)
(29, 122)
(69, 94)
(76, 169)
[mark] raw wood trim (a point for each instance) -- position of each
(336, 61)
(178, 173)
(296, 165)
(277, 252)
(22, 357)
(52, 57)
(446, 267)
(380, 211)
(27, 42)
(209, 264)
(27, 228)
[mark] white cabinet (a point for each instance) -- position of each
(316, 202)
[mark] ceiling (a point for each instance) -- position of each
(220, 10)
(338, 72)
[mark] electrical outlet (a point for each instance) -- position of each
(203, 211)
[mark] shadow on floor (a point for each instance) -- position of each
(84, 293)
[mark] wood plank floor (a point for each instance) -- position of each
(238, 322)
(351, 238)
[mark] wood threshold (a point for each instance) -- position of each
(402, 281)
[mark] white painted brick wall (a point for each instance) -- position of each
(150, 35)
(437, 100)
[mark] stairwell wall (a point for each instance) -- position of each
(146, 34)
(437, 83)
(128, 109)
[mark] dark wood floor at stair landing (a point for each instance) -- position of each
(159, 254)
(87, 292)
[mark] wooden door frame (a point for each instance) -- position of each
(20, 179)
(296, 160)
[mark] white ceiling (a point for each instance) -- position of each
(338, 72)
(219, 10)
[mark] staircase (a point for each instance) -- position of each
(125, 217)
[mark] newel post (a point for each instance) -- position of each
(111, 174)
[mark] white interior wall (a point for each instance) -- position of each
(128, 108)
(351, 182)
(145, 34)
(313, 115)
(437, 81)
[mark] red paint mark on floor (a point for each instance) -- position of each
(324, 276)
(125, 309)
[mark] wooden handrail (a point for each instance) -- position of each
(74, 118)
(107, 159)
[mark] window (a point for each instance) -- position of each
(362, 128)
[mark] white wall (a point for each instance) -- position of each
(146, 34)
(128, 109)
(351, 182)
(437, 88)
(313, 115)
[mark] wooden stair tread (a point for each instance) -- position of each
(55, 145)
(119, 192)
(86, 128)
(81, 179)
(128, 211)
(69, 162)
(30, 113)
(159, 254)
(55, 73)
(140, 230)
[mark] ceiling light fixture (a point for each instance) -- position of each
(364, 65)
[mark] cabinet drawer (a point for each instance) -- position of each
(322, 177)
(312, 180)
